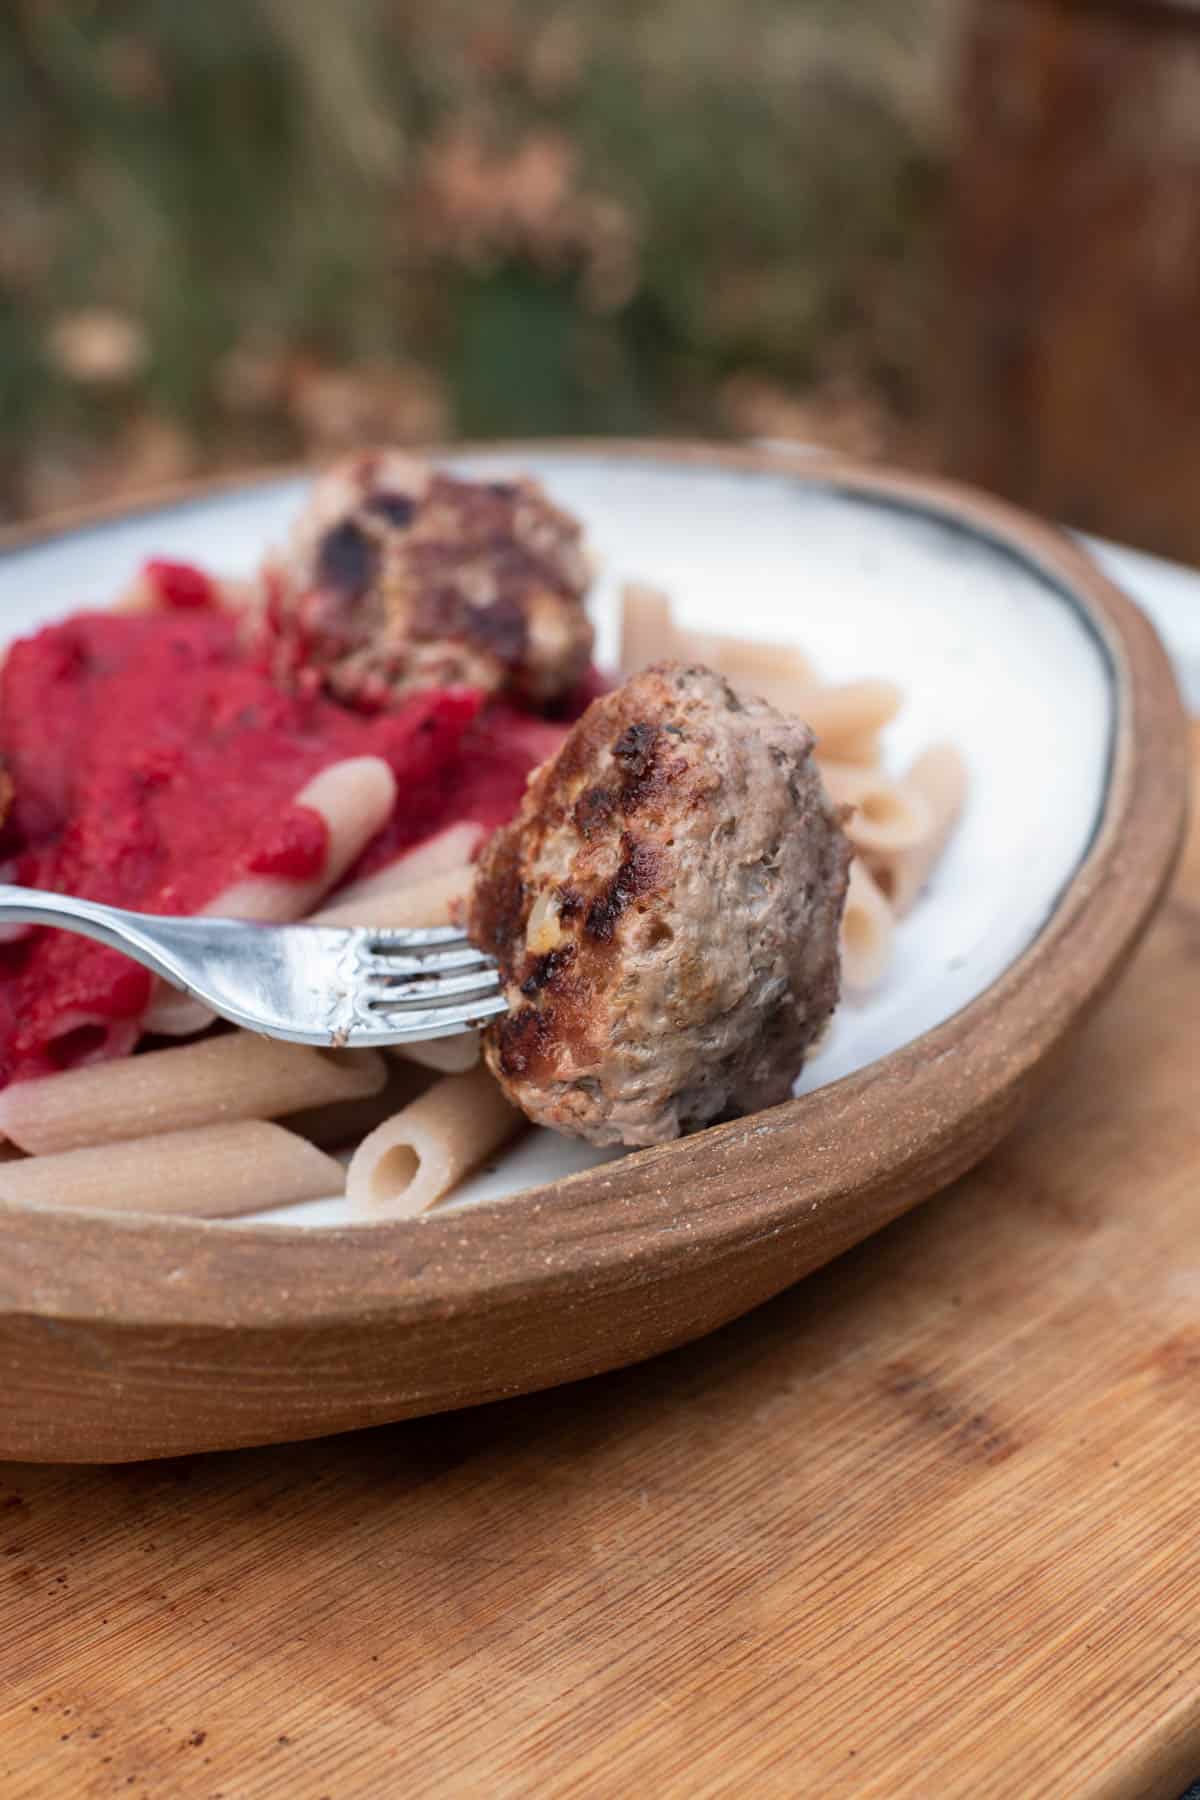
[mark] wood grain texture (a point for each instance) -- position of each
(122, 1339)
(924, 1525)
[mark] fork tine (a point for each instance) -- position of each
(402, 966)
(413, 940)
(406, 994)
(413, 1027)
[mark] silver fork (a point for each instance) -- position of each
(311, 984)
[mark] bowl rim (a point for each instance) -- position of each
(844, 1158)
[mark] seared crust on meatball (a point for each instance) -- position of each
(665, 909)
(399, 577)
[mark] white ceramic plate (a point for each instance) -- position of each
(989, 652)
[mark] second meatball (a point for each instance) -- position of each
(399, 576)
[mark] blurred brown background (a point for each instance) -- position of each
(954, 233)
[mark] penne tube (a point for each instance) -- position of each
(863, 752)
(848, 712)
(647, 628)
(938, 779)
(215, 1172)
(887, 816)
(746, 663)
(174, 1014)
(235, 1076)
(81, 1039)
(445, 854)
(414, 1160)
(428, 902)
(781, 690)
(787, 696)
(868, 927)
(778, 673)
(344, 1123)
(449, 1055)
(355, 797)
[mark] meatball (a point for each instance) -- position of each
(665, 909)
(400, 577)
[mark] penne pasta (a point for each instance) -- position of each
(787, 696)
(864, 752)
(445, 854)
(848, 713)
(429, 902)
(775, 672)
(173, 1014)
(355, 798)
(344, 1123)
(647, 627)
(938, 779)
(215, 1172)
(868, 927)
(414, 1160)
(83, 1038)
(887, 816)
(753, 666)
(450, 1056)
(235, 1076)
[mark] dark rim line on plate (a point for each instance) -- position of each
(663, 1245)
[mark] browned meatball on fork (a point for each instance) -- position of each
(665, 909)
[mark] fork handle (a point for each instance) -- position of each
(109, 925)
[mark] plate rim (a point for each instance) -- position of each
(768, 1197)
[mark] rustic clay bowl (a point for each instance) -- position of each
(134, 1336)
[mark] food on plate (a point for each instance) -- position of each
(868, 930)
(390, 725)
(400, 577)
(237, 1075)
(401, 902)
(158, 766)
(897, 826)
(212, 1172)
(937, 780)
(846, 717)
(664, 907)
(411, 1161)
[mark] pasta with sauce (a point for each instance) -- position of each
(356, 824)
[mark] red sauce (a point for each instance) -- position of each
(297, 849)
(153, 766)
(180, 585)
(155, 763)
(489, 778)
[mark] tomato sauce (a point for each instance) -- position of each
(155, 763)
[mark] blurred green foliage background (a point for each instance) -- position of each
(238, 230)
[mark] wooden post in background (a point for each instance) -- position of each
(1072, 374)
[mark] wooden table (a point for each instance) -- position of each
(926, 1525)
